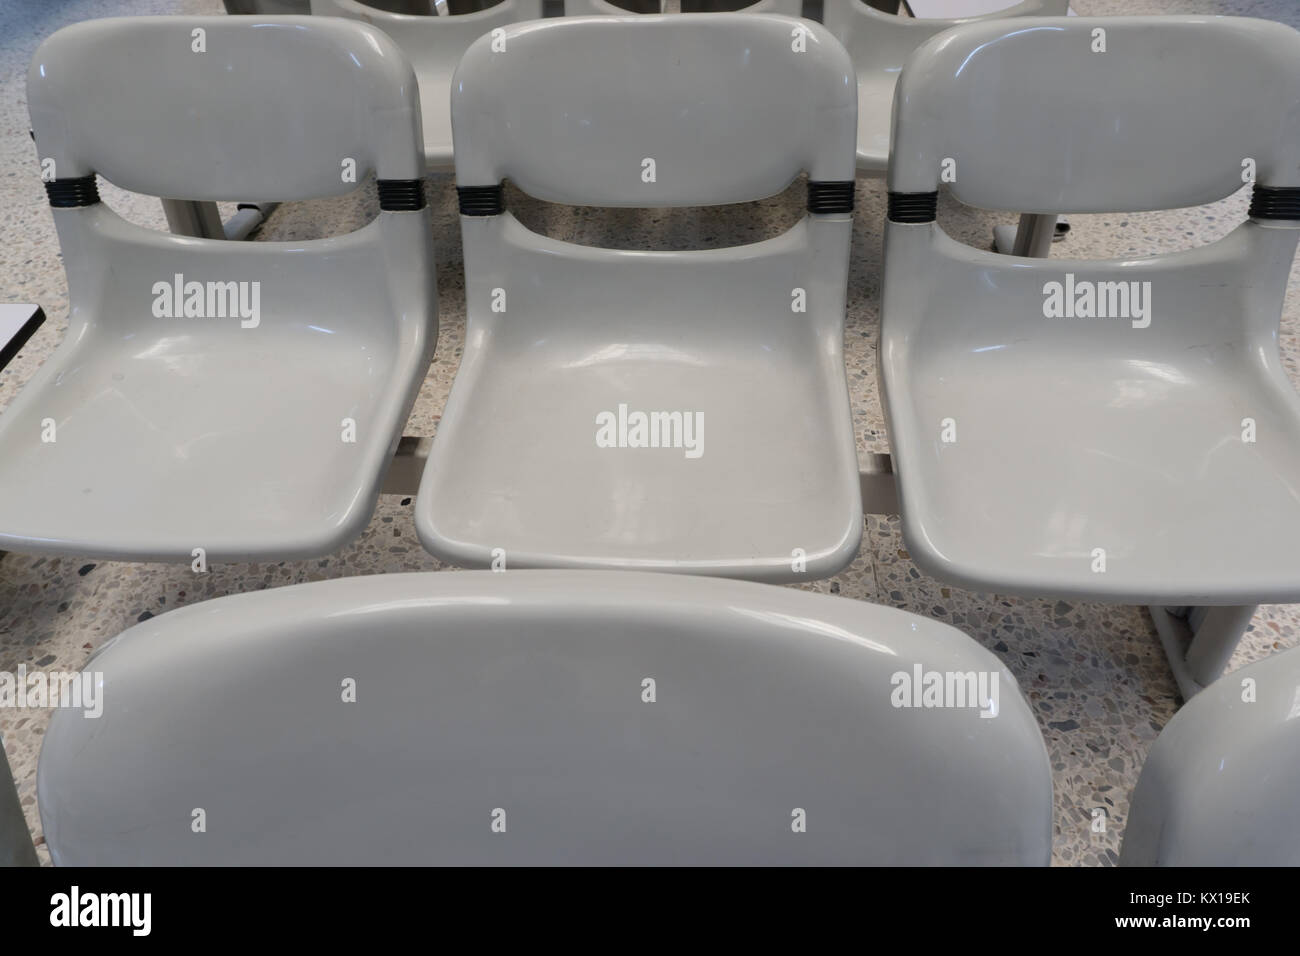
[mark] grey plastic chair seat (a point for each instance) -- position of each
(434, 45)
(516, 464)
(170, 439)
(593, 717)
(1147, 453)
(565, 340)
(1219, 785)
(256, 432)
(1071, 438)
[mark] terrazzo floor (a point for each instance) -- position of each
(1094, 674)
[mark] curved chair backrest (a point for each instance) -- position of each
(434, 45)
(1219, 785)
(879, 42)
(581, 132)
(1041, 117)
(352, 96)
(545, 718)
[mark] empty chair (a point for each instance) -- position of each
(1117, 429)
(681, 411)
(221, 400)
(434, 45)
(879, 42)
(1219, 785)
(545, 717)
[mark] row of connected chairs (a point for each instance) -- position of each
(877, 42)
(1141, 474)
(177, 433)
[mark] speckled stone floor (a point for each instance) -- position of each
(1095, 674)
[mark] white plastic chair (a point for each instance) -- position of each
(544, 718)
(1152, 457)
(1219, 785)
(879, 42)
(538, 458)
(148, 437)
(434, 45)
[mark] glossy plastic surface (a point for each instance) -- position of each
(149, 433)
(1219, 785)
(434, 46)
(879, 43)
(722, 102)
(1038, 119)
(595, 718)
(1151, 457)
(134, 100)
(563, 338)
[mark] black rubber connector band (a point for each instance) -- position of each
(400, 195)
(830, 197)
(482, 200)
(1275, 202)
(11, 348)
(70, 193)
(913, 207)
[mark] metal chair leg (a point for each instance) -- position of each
(16, 847)
(1031, 239)
(1199, 641)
